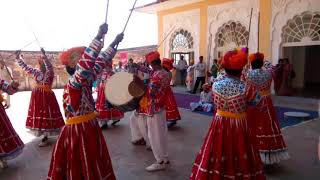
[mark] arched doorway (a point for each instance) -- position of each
(301, 45)
(230, 35)
(181, 44)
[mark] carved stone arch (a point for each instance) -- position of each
(181, 40)
(229, 36)
(303, 29)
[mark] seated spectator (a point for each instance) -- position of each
(206, 102)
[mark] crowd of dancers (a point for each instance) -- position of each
(244, 132)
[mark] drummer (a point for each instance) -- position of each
(152, 110)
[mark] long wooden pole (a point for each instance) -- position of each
(106, 18)
(167, 35)
(258, 31)
(125, 26)
(249, 28)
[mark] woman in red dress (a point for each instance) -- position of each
(172, 111)
(228, 151)
(278, 76)
(287, 76)
(44, 116)
(262, 117)
(106, 111)
(10, 143)
(81, 151)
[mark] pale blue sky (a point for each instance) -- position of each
(61, 24)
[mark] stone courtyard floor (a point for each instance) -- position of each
(184, 142)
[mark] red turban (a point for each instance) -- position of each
(71, 56)
(235, 60)
(167, 63)
(152, 56)
(256, 56)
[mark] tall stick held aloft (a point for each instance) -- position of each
(165, 37)
(125, 26)
(249, 27)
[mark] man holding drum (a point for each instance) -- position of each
(152, 109)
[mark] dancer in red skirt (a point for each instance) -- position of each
(44, 116)
(227, 151)
(10, 143)
(262, 117)
(81, 151)
(172, 111)
(106, 111)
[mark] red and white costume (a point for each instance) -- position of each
(172, 111)
(105, 110)
(227, 151)
(262, 117)
(152, 109)
(81, 151)
(44, 116)
(10, 143)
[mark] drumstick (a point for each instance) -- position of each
(125, 26)
(165, 37)
(6, 67)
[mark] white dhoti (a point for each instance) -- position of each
(139, 129)
(158, 135)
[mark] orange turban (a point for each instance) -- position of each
(167, 63)
(152, 56)
(256, 56)
(71, 56)
(235, 60)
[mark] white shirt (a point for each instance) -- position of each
(200, 69)
(182, 64)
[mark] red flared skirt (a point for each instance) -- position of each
(264, 123)
(172, 111)
(10, 143)
(81, 153)
(227, 153)
(44, 116)
(105, 110)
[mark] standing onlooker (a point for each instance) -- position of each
(200, 68)
(287, 75)
(182, 68)
(278, 76)
(131, 67)
(119, 68)
(214, 70)
(190, 76)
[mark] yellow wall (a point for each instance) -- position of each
(265, 20)
(203, 6)
(264, 28)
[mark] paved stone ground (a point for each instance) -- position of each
(184, 142)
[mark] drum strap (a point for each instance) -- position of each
(231, 115)
(81, 119)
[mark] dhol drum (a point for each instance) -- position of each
(124, 91)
